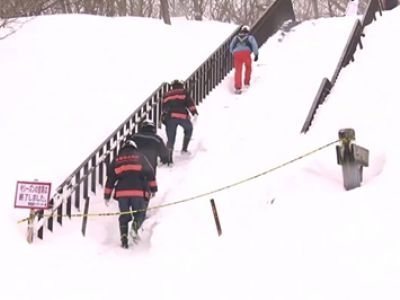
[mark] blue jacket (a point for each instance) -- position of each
(243, 42)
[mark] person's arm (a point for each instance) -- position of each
(190, 105)
(254, 45)
(163, 151)
(148, 173)
(165, 107)
(110, 182)
(232, 45)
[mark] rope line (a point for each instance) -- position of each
(104, 214)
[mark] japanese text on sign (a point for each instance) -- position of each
(32, 194)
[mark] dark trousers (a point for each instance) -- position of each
(171, 127)
(389, 4)
(131, 204)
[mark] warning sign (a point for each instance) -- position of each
(32, 194)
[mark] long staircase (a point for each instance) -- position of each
(87, 180)
(89, 177)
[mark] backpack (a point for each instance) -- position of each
(243, 41)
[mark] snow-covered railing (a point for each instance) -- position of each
(346, 57)
(90, 174)
(374, 6)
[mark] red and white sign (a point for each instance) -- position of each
(32, 194)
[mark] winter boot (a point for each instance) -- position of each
(135, 232)
(124, 236)
(124, 241)
(170, 160)
(185, 144)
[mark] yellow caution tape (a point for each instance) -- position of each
(105, 214)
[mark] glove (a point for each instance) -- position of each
(195, 115)
(256, 57)
(164, 118)
(149, 195)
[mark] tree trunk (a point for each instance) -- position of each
(165, 12)
(315, 8)
(110, 8)
(330, 8)
(122, 9)
(198, 15)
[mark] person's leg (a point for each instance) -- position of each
(171, 127)
(124, 219)
(247, 64)
(187, 133)
(237, 63)
(139, 206)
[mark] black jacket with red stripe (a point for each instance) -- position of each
(131, 175)
(177, 102)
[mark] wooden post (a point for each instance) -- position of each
(31, 228)
(352, 158)
(216, 218)
(31, 221)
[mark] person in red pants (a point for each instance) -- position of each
(241, 47)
